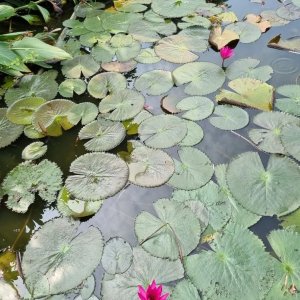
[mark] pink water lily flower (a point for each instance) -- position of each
(152, 293)
(226, 52)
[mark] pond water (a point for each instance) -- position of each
(117, 214)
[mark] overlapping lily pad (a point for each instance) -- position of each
(91, 38)
(289, 12)
(94, 24)
(291, 104)
(291, 44)
(208, 9)
(185, 289)
(119, 67)
(194, 135)
(89, 9)
(194, 20)
(147, 56)
(69, 86)
(34, 151)
(86, 112)
(290, 139)
(220, 39)
(248, 32)
(131, 6)
(273, 18)
(76, 27)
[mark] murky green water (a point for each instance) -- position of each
(116, 217)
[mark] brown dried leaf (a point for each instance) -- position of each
(256, 20)
(219, 39)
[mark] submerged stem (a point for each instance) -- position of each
(247, 141)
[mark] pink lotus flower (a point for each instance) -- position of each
(152, 293)
(225, 53)
(148, 106)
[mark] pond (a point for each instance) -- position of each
(119, 213)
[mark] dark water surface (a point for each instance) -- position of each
(116, 216)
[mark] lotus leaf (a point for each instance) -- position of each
(117, 256)
(34, 151)
(194, 170)
(268, 137)
(289, 12)
(144, 269)
(6, 290)
(31, 133)
(52, 117)
(246, 68)
(26, 179)
(88, 9)
(81, 64)
(150, 167)
(103, 138)
(267, 192)
(273, 18)
(208, 9)
(69, 86)
(119, 67)
(250, 93)
(180, 48)
(291, 44)
(91, 38)
(194, 20)
(248, 32)
(291, 104)
(58, 268)
(203, 78)
(220, 39)
(147, 56)
(185, 290)
(104, 83)
(98, 176)
(179, 228)
(194, 135)
(229, 117)
(94, 24)
(86, 112)
(162, 131)
(290, 139)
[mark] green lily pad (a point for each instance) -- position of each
(86, 289)
(185, 290)
(194, 20)
(156, 81)
(291, 104)
(103, 52)
(104, 83)
(290, 139)
(52, 116)
(98, 176)
(69, 86)
(31, 133)
(194, 135)
(227, 17)
(34, 151)
(251, 93)
(43, 276)
(268, 137)
(180, 48)
(202, 77)
(194, 170)
(6, 290)
(43, 86)
(198, 108)
(289, 12)
(291, 222)
(94, 24)
(26, 179)
(81, 64)
(88, 9)
(273, 18)
(266, 192)
(162, 131)
(150, 167)
(122, 105)
(208, 9)
(179, 225)
(246, 68)
(117, 256)
(248, 32)
(72, 46)
(229, 117)
(91, 38)
(102, 138)
(144, 269)
(119, 67)
(76, 27)
(9, 131)
(131, 6)
(296, 2)
(86, 112)
(238, 267)
(199, 31)
(151, 16)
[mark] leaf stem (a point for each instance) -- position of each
(150, 236)
(247, 141)
(297, 79)
(26, 6)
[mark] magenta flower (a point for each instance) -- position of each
(225, 53)
(152, 293)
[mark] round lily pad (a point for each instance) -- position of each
(248, 32)
(31, 133)
(89, 9)
(194, 20)
(133, 6)
(94, 24)
(103, 52)
(119, 67)
(98, 176)
(86, 112)
(194, 135)
(162, 131)
(273, 18)
(34, 151)
(289, 12)
(185, 289)
(195, 30)
(91, 38)
(291, 104)
(208, 9)
(290, 139)
(69, 86)
(147, 56)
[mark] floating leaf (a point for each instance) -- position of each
(268, 137)
(290, 138)
(289, 12)
(194, 135)
(238, 267)
(273, 18)
(147, 56)
(157, 82)
(34, 151)
(122, 105)
(94, 24)
(86, 289)
(194, 20)
(77, 27)
(185, 290)
(72, 46)
(43, 86)
(86, 112)
(103, 138)
(150, 167)
(149, 32)
(199, 31)
(248, 32)
(291, 44)
(6, 290)
(81, 64)
(180, 48)
(61, 271)
(117, 256)
(266, 192)
(291, 222)
(144, 269)
(52, 115)
(229, 117)
(296, 2)
(179, 228)
(194, 170)
(91, 38)
(250, 93)
(227, 17)
(68, 206)
(9, 131)
(26, 179)
(220, 39)
(168, 104)
(119, 67)
(99, 176)
(21, 111)
(291, 104)
(257, 20)
(203, 78)
(103, 52)
(246, 68)
(104, 83)
(198, 108)
(31, 133)
(131, 6)
(151, 16)
(88, 9)
(69, 86)
(162, 131)
(208, 9)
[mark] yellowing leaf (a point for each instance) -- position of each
(227, 17)
(290, 44)
(219, 39)
(256, 20)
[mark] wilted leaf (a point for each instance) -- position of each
(291, 44)
(220, 39)
(257, 20)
